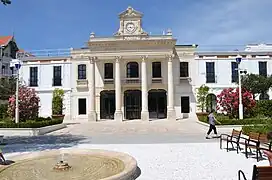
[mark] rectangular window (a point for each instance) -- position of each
(81, 71)
(82, 109)
(234, 72)
(183, 69)
(210, 74)
(57, 76)
(185, 104)
(108, 71)
(33, 81)
(263, 69)
(156, 69)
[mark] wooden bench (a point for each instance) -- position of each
(259, 173)
(262, 144)
(233, 138)
(251, 141)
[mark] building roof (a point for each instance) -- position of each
(4, 40)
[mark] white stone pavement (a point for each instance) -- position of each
(182, 161)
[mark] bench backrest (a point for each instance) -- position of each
(263, 138)
(236, 133)
(262, 173)
(254, 136)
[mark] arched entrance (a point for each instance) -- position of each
(133, 104)
(211, 102)
(157, 103)
(107, 104)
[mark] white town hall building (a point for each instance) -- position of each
(131, 75)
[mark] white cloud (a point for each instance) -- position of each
(228, 22)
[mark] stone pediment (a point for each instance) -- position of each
(130, 12)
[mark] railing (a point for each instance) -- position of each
(108, 81)
(157, 80)
(44, 53)
(182, 79)
(131, 81)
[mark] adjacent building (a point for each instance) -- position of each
(135, 75)
(8, 49)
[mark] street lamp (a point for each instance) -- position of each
(238, 61)
(17, 64)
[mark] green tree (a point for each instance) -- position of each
(256, 84)
(7, 87)
(57, 102)
(202, 93)
(6, 2)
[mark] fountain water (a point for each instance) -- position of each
(62, 165)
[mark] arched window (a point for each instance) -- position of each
(211, 102)
(264, 96)
(132, 70)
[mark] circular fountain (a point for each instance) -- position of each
(77, 164)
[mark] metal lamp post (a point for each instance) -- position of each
(238, 61)
(17, 64)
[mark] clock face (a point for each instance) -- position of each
(130, 27)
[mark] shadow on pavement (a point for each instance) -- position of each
(40, 143)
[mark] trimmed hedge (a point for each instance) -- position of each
(30, 123)
(226, 121)
(264, 129)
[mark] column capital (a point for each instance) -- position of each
(118, 58)
(92, 59)
(170, 57)
(144, 57)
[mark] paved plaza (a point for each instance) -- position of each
(164, 150)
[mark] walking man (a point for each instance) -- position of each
(212, 121)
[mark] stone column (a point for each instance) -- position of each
(91, 77)
(144, 113)
(171, 114)
(118, 115)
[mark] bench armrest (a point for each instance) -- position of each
(225, 135)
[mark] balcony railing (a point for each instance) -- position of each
(182, 79)
(131, 81)
(108, 81)
(157, 80)
(82, 83)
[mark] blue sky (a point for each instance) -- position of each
(43, 24)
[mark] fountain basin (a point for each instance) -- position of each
(83, 165)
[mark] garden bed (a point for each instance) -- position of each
(224, 120)
(36, 127)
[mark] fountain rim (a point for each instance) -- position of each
(130, 163)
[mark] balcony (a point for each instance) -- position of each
(108, 81)
(82, 83)
(131, 81)
(156, 80)
(184, 79)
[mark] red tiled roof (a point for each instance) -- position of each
(5, 40)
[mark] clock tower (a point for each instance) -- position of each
(130, 23)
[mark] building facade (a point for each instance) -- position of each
(135, 75)
(219, 70)
(131, 75)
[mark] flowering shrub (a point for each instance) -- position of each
(228, 102)
(28, 104)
